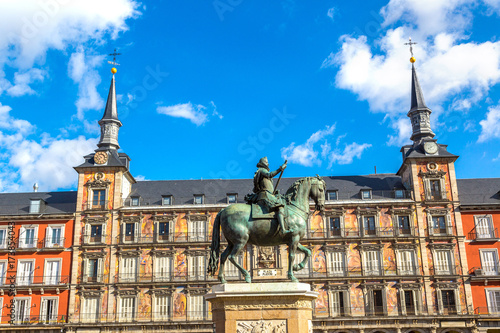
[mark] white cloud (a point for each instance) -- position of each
(331, 12)
(309, 154)
(49, 162)
(305, 154)
(402, 127)
(23, 80)
(195, 113)
(81, 69)
(450, 67)
(490, 127)
(350, 152)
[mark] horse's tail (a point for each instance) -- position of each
(213, 262)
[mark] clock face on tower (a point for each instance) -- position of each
(430, 147)
(100, 157)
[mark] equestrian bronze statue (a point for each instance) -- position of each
(258, 222)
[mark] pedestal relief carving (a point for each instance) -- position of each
(267, 257)
(262, 326)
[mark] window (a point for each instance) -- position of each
(376, 301)
(197, 267)
(35, 206)
(409, 300)
(371, 263)
(442, 262)
(130, 232)
(163, 231)
(197, 230)
(93, 234)
(22, 310)
(484, 227)
(335, 226)
(339, 303)
(230, 270)
(439, 225)
(435, 189)
(366, 194)
(406, 262)
(128, 269)
(166, 200)
(369, 228)
(448, 301)
(331, 195)
(89, 309)
(98, 199)
(336, 265)
(196, 307)
(134, 201)
(299, 256)
(162, 306)
(92, 270)
(489, 261)
(162, 268)
(52, 275)
(28, 237)
(404, 225)
(54, 236)
(493, 299)
(126, 310)
(399, 194)
(25, 269)
(198, 199)
(3, 272)
(231, 198)
(3, 238)
(49, 310)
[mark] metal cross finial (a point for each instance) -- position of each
(411, 44)
(114, 54)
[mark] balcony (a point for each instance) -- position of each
(94, 239)
(359, 271)
(153, 238)
(98, 206)
(124, 278)
(487, 311)
(143, 317)
(96, 278)
(484, 235)
(445, 270)
(34, 320)
(485, 272)
(41, 280)
(382, 232)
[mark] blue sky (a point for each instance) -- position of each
(206, 88)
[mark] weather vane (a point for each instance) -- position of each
(114, 54)
(412, 59)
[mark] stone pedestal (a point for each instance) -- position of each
(283, 307)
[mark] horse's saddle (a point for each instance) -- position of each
(261, 212)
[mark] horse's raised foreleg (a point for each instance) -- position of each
(237, 249)
(223, 257)
(307, 253)
(292, 248)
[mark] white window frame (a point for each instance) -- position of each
(399, 194)
(27, 310)
(370, 301)
(196, 305)
(376, 225)
(48, 236)
(161, 301)
(369, 268)
(407, 261)
(481, 233)
(197, 265)
(21, 279)
(199, 196)
(137, 231)
(447, 221)
(91, 197)
(197, 230)
(85, 270)
(439, 268)
(161, 274)
(88, 230)
(232, 195)
(493, 269)
(89, 317)
(329, 192)
(43, 307)
(129, 314)
(417, 301)
(22, 236)
(135, 201)
(171, 230)
(299, 256)
(456, 296)
(230, 270)
(336, 267)
(163, 201)
(49, 279)
(33, 205)
(442, 188)
(334, 297)
(366, 194)
(3, 240)
(411, 227)
(129, 269)
(492, 308)
(3, 273)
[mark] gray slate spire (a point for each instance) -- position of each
(419, 112)
(110, 124)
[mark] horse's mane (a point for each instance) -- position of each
(291, 193)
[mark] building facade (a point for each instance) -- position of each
(413, 251)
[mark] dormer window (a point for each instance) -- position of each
(331, 195)
(198, 199)
(231, 198)
(399, 194)
(366, 194)
(134, 201)
(36, 206)
(166, 200)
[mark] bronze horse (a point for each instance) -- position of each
(239, 228)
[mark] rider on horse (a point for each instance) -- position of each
(264, 191)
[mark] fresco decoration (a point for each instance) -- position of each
(181, 228)
(179, 304)
(180, 263)
(385, 220)
(316, 225)
(104, 299)
(392, 299)
(389, 259)
(422, 167)
(350, 221)
(357, 300)
(318, 259)
(147, 227)
(211, 224)
(144, 306)
(353, 258)
(89, 177)
(321, 303)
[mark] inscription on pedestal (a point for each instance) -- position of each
(261, 326)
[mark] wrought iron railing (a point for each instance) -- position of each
(41, 280)
(483, 235)
(25, 320)
(137, 317)
(352, 232)
(486, 270)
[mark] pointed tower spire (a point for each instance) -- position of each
(419, 112)
(110, 124)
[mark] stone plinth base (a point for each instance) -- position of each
(262, 307)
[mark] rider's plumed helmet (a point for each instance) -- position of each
(263, 163)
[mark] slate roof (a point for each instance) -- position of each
(56, 202)
(115, 159)
(216, 190)
(480, 191)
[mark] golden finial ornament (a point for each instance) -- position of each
(412, 60)
(114, 70)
